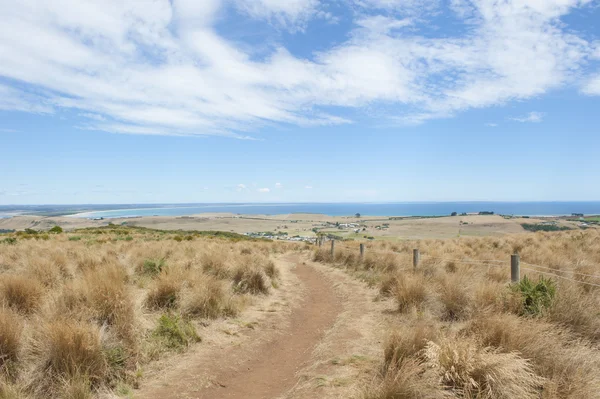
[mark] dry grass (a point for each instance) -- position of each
(11, 328)
(464, 331)
(79, 317)
(21, 293)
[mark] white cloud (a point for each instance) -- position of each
(278, 185)
(534, 117)
(263, 190)
(289, 13)
(308, 187)
(592, 86)
(5, 130)
(162, 68)
(241, 187)
(491, 124)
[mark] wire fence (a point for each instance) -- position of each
(544, 270)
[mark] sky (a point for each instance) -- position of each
(181, 101)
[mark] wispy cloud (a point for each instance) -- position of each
(532, 117)
(491, 124)
(308, 187)
(264, 190)
(162, 67)
(8, 130)
(241, 187)
(278, 185)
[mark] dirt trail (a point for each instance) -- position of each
(268, 368)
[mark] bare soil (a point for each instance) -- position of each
(265, 363)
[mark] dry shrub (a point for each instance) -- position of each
(474, 372)
(250, 280)
(410, 292)
(165, 292)
(69, 351)
(11, 328)
(207, 299)
(23, 294)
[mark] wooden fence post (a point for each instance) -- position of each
(416, 258)
(332, 248)
(362, 251)
(515, 268)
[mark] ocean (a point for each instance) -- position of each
(348, 209)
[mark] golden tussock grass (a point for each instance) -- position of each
(464, 331)
(79, 317)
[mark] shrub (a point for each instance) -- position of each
(56, 230)
(21, 293)
(175, 333)
(10, 340)
(74, 238)
(537, 297)
(153, 266)
(9, 240)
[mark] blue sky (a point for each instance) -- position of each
(299, 100)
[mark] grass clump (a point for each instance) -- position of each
(206, 299)
(536, 296)
(20, 293)
(10, 341)
(164, 294)
(70, 351)
(470, 371)
(153, 266)
(175, 333)
(410, 292)
(250, 280)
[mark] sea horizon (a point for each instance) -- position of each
(379, 208)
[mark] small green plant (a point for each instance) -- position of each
(56, 230)
(9, 241)
(153, 266)
(74, 238)
(536, 296)
(175, 333)
(30, 231)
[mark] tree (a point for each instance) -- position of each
(56, 229)
(357, 215)
(453, 214)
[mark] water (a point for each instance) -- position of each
(365, 209)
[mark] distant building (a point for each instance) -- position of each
(579, 215)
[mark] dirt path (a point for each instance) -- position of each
(266, 366)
